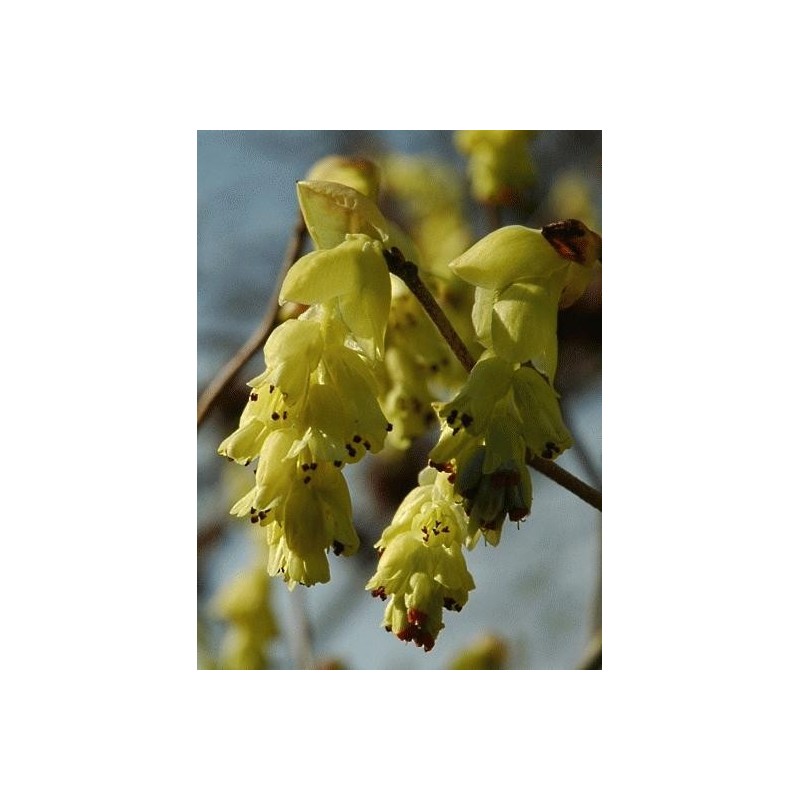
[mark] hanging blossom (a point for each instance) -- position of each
(422, 570)
(490, 428)
(315, 408)
(508, 410)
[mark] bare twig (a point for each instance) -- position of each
(229, 371)
(409, 274)
(566, 479)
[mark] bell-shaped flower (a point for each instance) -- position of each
(278, 395)
(422, 580)
(491, 496)
(352, 276)
(291, 353)
(471, 408)
(522, 277)
(430, 511)
(304, 510)
(355, 386)
(307, 569)
(536, 401)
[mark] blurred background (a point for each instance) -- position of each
(537, 600)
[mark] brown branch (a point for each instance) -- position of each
(229, 371)
(409, 274)
(566, 479)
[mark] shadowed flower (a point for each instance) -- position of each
(522, 278)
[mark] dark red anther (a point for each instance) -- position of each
(253, 396)
(356, 438)
(338, 548)
(416, 617)
(275, 415)
(517, 514)
(505, 477)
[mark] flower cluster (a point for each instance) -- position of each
(315, 407)
(422, 567)
(502, 416)
(508, 410)
(363, 366)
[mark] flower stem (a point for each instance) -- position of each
(229, 371)
(408, 272)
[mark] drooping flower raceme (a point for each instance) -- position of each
(422, 568)
(508, 410)
(315, 408)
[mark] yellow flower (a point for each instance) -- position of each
(522, 277)
(354, 278)
(422, 565)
